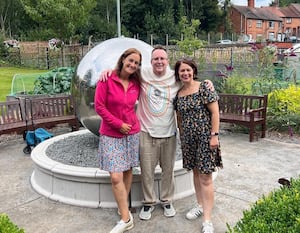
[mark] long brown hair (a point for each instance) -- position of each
(137, 74)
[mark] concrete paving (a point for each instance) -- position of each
(250, 170)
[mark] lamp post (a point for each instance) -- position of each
(119, 18)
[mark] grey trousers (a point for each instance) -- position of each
(155, 151)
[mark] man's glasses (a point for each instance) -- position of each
(159, 58)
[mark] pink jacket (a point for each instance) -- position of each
(116, 106)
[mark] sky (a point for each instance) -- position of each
(258, 3)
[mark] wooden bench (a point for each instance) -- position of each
(246, 110)
(48, 112)
(29, 113)
(11, 118)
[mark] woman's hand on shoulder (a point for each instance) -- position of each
(209, 84)
(104, 75)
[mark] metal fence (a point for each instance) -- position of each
(38, 55)
(42, 57)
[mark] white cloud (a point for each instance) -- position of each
(258, 3)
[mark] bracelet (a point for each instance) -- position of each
(214, 134)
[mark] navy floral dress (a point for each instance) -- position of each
(196, 127)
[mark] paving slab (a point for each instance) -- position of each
(250, 171)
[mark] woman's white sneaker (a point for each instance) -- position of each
(207, 227)
(194, 213)
(123, 226)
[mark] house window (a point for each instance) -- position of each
(279, 24)
(288, 30)
(258, 23)
(272, 36)
(288, 20)
(271, 24)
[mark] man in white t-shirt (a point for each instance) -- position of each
(158, 132)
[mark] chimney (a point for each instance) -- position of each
(251, 3)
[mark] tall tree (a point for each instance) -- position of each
(160, 28)
(208, 12)
(13, 19)
(212, 16)
(62, 16)
(102, 23)
(156, 17)
(132, 16)
(189, 43)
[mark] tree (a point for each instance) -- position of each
(3, 49)
(12, 18)
(159, 29)
(283, 3)
(207, 12)
(6, 7)
(155, 17)
(102, 23)
(226, 25)
(62, 16)
(189, 43)
(64, 19)
(133, 16)
(212, 16)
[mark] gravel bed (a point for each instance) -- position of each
(79, 150)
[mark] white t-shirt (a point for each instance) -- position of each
(155, 109)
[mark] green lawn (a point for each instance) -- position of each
(23, 81)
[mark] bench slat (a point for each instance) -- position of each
(246, 110)
(30, 113)
(11, 119)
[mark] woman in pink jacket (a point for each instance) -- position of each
(119, 132)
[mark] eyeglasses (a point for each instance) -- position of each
(159, 58)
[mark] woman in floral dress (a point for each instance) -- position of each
(198, 121)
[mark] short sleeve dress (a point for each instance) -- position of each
(196, 125)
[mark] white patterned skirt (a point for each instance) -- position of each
(118, 154)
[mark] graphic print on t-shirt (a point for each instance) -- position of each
(158, 98)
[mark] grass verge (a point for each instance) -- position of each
(24, 80)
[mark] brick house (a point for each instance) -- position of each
(291, 21)
(266, 23)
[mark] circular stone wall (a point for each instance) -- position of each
(91, 187)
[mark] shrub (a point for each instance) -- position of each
(278, 212)
(7, 226)
(237, 85)
(3, 50)
(55, 82)
(284, 109)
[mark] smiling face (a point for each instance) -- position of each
(131, 63)
(159, 62)
(185, 73)
(185, 70)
